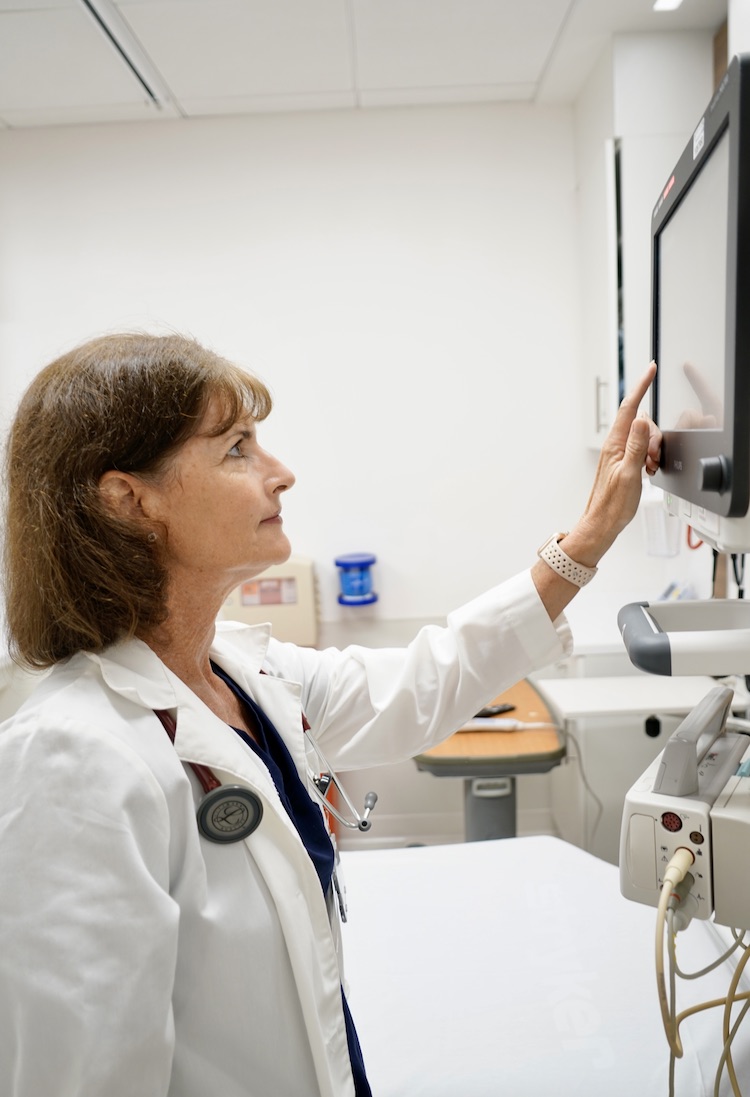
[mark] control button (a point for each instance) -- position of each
(714, 474)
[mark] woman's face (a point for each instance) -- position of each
(220, 501)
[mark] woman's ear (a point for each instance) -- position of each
(122, 494)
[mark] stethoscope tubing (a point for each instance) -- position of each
(226, 813)
(230, 813)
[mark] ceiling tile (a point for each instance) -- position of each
(57, 58)
(231, 48)
(36, 5)
(420, 43)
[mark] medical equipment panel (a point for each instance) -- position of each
(670, 806)
(614, 727)
(730, 823)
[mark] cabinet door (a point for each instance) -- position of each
(599, 247)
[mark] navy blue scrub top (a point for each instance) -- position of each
(307, 818)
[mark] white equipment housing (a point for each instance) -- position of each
(694, 795)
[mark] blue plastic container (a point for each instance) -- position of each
(355, 578)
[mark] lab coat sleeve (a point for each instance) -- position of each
(370, 706)
(88, 931)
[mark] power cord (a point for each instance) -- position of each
(677, 905)
(676, 872)
(587, 786)
(739, 940)
(730, 1033)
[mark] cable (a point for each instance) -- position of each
(726, 1056)
(729, 1035)
(675, 873)
(738, 943)
(681, 894)
(587, 786)
(691, 544)
(674, 970)
(738, 566)
(673, 1010)
(713, 1004)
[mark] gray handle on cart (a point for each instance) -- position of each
(647, 646)
(690, 743)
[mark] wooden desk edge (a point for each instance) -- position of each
(532, 750)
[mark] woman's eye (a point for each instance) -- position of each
(243, 446)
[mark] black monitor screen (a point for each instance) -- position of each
(701, 320)
(692, 301)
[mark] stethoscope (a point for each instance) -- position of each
(230, 813)
(226, 813)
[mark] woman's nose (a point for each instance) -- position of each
(285, 477)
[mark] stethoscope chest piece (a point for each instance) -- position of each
(229, 813)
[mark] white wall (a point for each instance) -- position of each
(738, 27)
(663, 85)
(405, 280)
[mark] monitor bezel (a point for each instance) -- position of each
(683, 450)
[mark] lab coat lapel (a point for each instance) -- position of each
(237, 650)
(278, 852)
(132, 670)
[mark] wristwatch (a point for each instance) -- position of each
(560, 562)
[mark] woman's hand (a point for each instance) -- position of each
(632, 445)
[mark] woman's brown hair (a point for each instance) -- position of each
(77, 578)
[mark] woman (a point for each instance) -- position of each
(137, 956)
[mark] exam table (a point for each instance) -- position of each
(515, 967)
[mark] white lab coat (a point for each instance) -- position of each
(138, 959)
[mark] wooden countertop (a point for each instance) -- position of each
(474, 753)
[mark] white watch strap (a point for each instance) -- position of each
(559, 561)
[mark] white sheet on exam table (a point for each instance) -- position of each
(515, 967)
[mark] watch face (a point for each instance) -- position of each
(229, 813)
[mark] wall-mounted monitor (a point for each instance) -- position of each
(701, 321)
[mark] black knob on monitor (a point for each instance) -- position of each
(714, 474)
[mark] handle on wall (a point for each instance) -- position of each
(601, 405)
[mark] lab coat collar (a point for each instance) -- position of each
(132, 670)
